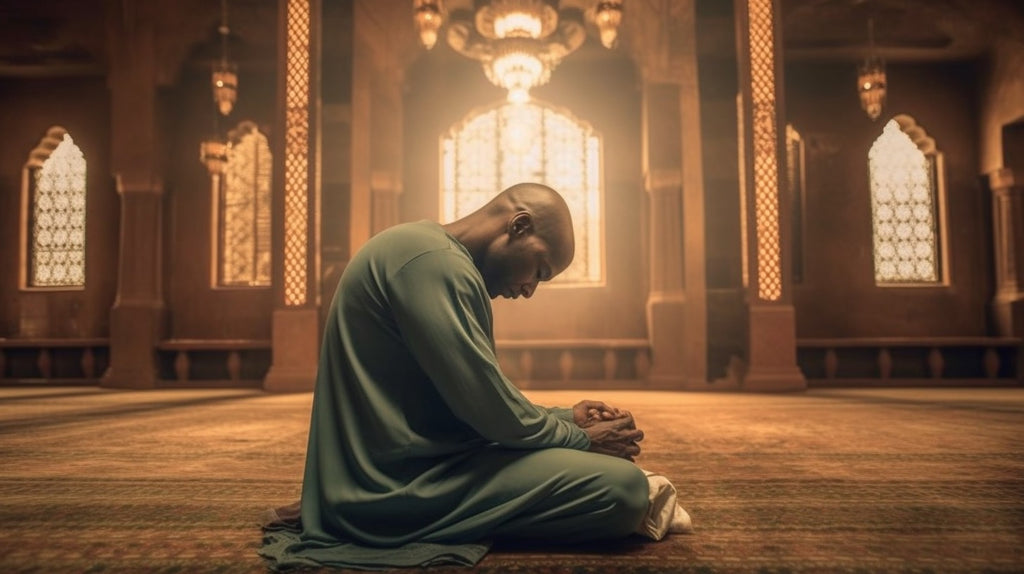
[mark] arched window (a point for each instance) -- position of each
(906, 205)
(498, 146)
(54, 190)
(242, 211)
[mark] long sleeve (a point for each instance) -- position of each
(442, 310)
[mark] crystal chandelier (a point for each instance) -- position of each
(518, 42)
(224, 79)
(871, 78)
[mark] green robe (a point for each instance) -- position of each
(420, 449)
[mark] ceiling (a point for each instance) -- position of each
(59, 37)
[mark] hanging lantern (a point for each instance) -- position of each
(224, 82)
(608, 16)
(871, 86)
(428, 17)
(871, 78)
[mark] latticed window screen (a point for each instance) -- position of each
(494, 148)
(296, 150)
(764, 135)
(57, 216)
(904, 209)
(244, 211)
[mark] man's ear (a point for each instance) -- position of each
(521, 224)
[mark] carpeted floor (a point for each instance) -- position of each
(894, 480)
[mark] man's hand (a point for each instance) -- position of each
(616, 437)
(586, 413)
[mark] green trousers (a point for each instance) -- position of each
(556, 495)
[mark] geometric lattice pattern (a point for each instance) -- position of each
(296, 150)
(903, 208)
(765, 146)
(496, 147)
(57, 218)
(244, 210)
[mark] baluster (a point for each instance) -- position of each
(611, 363)
(884, 363)
(526, 364)
(45, 363)
(991, 362)
(831, 363)
(234, 365)
(642, 363)
(88, 363)
(565, 364)
(935, 363)
(181, 364)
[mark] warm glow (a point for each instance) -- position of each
(244, 212)
(903, 207)
(765, 146)
(509, 144)
(57, 251)
(296, 149)
(518, 72)
(517, 25)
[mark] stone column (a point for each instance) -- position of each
(673, 176)
(296, 324)
(1008, 250)
(137, 319)
(771, 326)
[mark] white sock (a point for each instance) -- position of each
(664, 515)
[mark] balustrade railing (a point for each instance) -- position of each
(911, 361)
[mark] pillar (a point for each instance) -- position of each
(771, 326)
(674, 181)
(137, 319)
(295, 335)
(1008, 248)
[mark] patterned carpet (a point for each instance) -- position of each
(894, 480)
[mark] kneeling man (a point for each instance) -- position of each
(420, 450)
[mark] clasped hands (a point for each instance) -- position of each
(611, 431)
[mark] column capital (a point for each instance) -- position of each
(1001, 178)
(386, 181)
(663, 179)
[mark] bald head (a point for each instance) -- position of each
(521, 237)
(551, 219)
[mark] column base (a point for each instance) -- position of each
(771, 366)
(768, 380)
(677, 360)
(296, 350)
(135, 330)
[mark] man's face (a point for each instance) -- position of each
(515, 268)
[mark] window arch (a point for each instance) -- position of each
(495, 147)
(242, 210)
(906, 205)
(54, 192)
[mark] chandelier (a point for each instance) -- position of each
(871, 78)
(518, 42)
